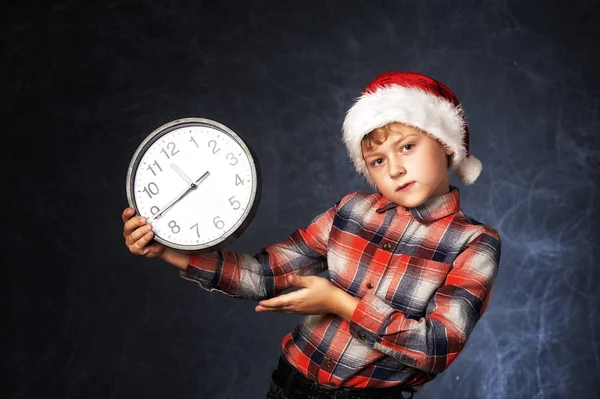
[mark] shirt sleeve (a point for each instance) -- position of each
(263, 275)
(432, 342)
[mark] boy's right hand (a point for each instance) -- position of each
(138, 234)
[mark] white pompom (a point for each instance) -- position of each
(468, 170)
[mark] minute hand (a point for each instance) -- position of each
(179, 197)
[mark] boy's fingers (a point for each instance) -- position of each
(133, 224)
(140, 245)
(144, 239)
(280, 301)
(279, 310)
(127, 214)
(137, 234)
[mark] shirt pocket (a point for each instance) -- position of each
(414, 282)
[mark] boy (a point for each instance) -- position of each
(409, 274)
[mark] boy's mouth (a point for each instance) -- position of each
(405, 186)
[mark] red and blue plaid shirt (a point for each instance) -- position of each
(423, 275)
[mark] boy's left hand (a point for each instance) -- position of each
(316, 296)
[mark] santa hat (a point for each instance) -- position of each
(416, 100)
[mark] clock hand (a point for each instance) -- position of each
(169, 205)
(200, 180)
(175, 200)
(181, 174)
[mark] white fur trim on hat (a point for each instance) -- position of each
(468, 170)
(411, 106)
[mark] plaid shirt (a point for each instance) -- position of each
(423, 275)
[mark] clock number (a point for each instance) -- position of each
(174, 227)
(197, 229)
(170, 146)
(232, 158)
(234, 203)
(238, 180)
(219, 224)
(151, 190)
(194, 141)
(154, 210)
(214, 146)
(152, 169)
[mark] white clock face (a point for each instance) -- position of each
(196, 184)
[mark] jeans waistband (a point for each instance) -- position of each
(295, 385)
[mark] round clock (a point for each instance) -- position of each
(197, 183)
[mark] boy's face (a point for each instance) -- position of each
(408, 156)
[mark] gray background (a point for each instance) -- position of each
(83, 84)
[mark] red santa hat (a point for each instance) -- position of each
(416, 100)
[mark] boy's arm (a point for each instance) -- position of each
(176, 258)
(263, 275)
(432, 342)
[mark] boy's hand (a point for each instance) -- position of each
(138, 234)
(317, 296)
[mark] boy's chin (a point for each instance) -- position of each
(412, 199)
(406, 200)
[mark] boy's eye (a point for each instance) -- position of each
(376, 162)
(410, 146)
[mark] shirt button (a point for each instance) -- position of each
(369, 285)
(387, 246)
(362, 336)
(329, 361)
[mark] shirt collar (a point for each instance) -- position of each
(431, 210)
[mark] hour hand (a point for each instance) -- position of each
(201, 179)
(182, 174)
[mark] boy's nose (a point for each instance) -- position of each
(396, 170)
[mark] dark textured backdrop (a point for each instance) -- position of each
(83, 84)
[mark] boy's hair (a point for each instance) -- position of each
(379, 136)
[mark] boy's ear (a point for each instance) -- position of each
(448, 151)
